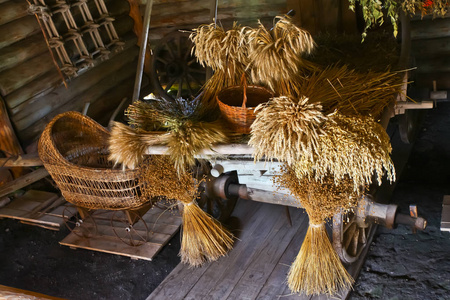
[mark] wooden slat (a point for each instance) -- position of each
(26, 160)
(181, 280)
(276, 283)
(14, 78)
(22, 181)
(433, 64)
(12, 10)
(37, 208)
(105, 240)
(21, 51)
(271, 250)
(431, 47)
(445, 216)
(17, 30)
(7, 292)
(34, 90)
(429, 29)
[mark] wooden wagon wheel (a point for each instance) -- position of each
(130, 228)
(80, 224)
(350, 236)
(409, 125)
(176, 73)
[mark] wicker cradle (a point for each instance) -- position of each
(74, 150)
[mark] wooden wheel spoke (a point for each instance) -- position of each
(170, 51)
(180, 87)
(189, 86)
(195, 79)
(163, 61)
(170, 84)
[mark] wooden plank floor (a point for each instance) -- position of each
(257, 266)
(160, 224)
(38, 208)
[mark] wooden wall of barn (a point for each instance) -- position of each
(313, 15)
(431, 51)
(30, 85)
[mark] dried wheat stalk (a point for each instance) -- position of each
(287, 129)
(352, 146)
(280, 50)
(317, 268)
(203, 237)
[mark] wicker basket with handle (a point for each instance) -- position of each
(74, 150)
(237, 104)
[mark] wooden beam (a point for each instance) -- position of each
(21, 51)
(17, 30)
(14, 78)
(23, 181)
(9, 143)
(26, 160)
(12, 10)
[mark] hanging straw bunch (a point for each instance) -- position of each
(350, 92)
(204, 238)
(317, 268)
(179, 124)
(352, 146)
(226, 52)
(286, 129)
(279, 49)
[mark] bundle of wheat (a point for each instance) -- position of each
(203, 238)
(287, 129)
(226, 52)
(317, 268)
(180, 125)
(279, 49)
(352, 146)
(350, 92)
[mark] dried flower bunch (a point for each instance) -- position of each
(279, 49)
(355, 147)
(317, 268)
(287, 129)
(204, 238)
(181, 125)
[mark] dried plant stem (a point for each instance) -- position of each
(317, 268)
(204, 238)
(128, 146)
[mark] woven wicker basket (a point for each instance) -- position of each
(237, 104)
(74, 150)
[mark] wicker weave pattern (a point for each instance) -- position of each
(237, 104)
(74, 151)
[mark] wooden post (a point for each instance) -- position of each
(9, 143)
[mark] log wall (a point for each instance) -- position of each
(313, 15)
(31, 86)
(431, 51)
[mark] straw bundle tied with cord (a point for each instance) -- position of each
(332, 145)
(317, 268)
(204, 238)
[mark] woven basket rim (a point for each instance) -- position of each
(46, 138)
